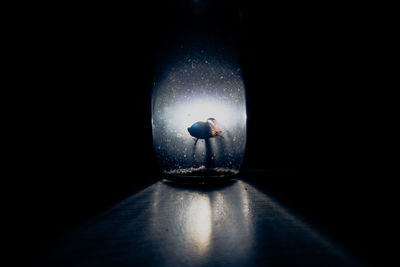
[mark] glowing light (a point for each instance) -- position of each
(185, 114)
(190, 91)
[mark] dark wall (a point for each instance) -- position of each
(86, 137)
(309, 112)
(85, 140)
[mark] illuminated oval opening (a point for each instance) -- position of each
(199, 116)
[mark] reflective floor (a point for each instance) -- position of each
(170, 225)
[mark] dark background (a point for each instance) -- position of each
(86, 140)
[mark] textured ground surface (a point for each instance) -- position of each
(169, 225)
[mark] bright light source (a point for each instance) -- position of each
(185, 114)
(190, 92)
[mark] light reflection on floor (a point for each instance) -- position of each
(169, 225)
(202, 222)
(196, 220)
